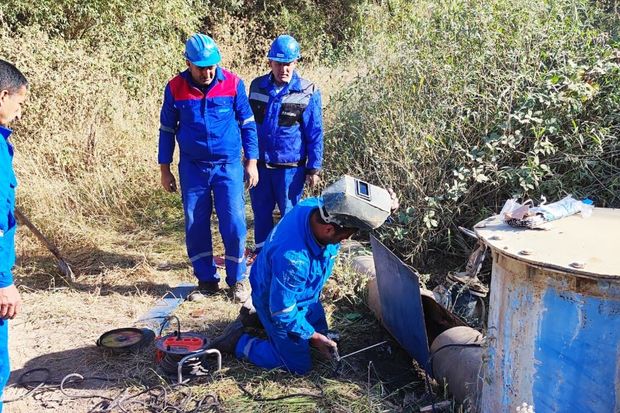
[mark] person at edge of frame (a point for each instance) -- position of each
(13, 93)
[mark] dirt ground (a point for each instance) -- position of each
(127, 275)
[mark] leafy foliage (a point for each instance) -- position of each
(467, 103)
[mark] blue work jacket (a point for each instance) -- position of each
(8, 225)
(289, 122)
(291, 270)
(211, 123)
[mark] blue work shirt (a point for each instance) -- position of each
(8, 225)
(289, 121)
(291, 270)
(211, 123)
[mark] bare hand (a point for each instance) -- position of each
(312, 180)
(10, 302)
(326, 346)
(394, 198)
(167, 180)
(251, 174)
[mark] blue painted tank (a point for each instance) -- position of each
(554, 316)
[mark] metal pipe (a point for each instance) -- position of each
(194, 355)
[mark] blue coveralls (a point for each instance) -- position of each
(287, 279)
(7, 242)
(211, 124)
(290, 141)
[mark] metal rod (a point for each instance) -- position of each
(194, 355)
(468, 232)
(363, 349)
(62, 263)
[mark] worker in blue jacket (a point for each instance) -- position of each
(13, 92)
(287, 109)
(291, 270)
(206, 108)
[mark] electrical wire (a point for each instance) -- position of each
(157, 397)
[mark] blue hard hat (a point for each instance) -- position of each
(284, 49)
(202, 51)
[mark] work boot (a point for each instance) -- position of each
(205, 288)
(208, 287)
(248, 315)
(241, 291)
(227, 341)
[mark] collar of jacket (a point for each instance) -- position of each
(315, 248)
(5, 132)
(294, 85)
(219, 76)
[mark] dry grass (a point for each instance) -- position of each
(125, 276)
(86, 161)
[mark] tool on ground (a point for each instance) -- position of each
(183, 352)
(338, 358)
(362, 350)
(65, 269)
(126, 340)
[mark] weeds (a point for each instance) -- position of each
(468, 103)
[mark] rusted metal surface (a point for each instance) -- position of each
(554, 328)
(457, 358)
(586, 247)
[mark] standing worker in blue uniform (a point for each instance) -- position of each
(206, 108)
(13, 91)
(291, 270)
(287, 109)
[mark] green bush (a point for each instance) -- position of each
(322, 27)
(467, 103)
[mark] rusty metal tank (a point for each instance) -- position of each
(554, 316)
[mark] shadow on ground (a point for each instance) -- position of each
(42, 272)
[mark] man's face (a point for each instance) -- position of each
(282, 72)
(11, 105)
(340, 234)
(202, 75)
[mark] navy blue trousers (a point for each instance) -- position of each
(203, 186)
(282, 187)
(5, 367)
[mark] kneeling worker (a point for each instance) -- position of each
(290, 272)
